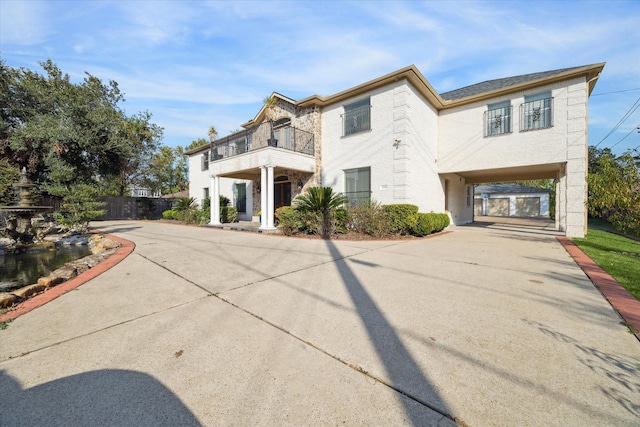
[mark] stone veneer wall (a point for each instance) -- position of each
(307, 119)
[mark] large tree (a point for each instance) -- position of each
(614, 189)
(67, 133)
(167, 171)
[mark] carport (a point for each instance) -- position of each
(570, 200)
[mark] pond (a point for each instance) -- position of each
(17, 270)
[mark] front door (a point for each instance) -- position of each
(281, 194)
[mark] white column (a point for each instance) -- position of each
(263, 196)
(215, 200)
(269, 197)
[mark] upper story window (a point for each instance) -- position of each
(205, 161)
(356, 117)
(497, 119)
(536, 112)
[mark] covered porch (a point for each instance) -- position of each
(278, 175)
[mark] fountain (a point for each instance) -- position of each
(19, 223)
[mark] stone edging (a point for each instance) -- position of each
(620, 299)
(50, 293)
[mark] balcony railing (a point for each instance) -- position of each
(265, 135)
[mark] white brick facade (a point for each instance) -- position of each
(421, 148)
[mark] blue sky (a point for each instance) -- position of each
(194, 64)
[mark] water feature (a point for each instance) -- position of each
(27, 257)
(21, 269)
(20, 222)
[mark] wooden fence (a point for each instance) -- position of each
(124, 207)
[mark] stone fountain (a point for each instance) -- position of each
(19, 223)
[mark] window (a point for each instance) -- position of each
(241, 197)
(468, 196)
(205, 193)
(536, 112)
(205, 161)
(357, 184)
(356, 117)
(498, 119)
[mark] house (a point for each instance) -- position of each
(510, 200)
(396, 140)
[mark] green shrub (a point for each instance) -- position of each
(192, 216)
(423, 224)
(228, 214)
(323, 202)
(399, 217)
(79, 207)
(342, 220)
(294, 221)
(206, 205)
(170, 214)
(369, 218)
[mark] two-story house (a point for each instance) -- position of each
(396, 140)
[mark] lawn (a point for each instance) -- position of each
(617, 255)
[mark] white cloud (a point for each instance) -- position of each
(23, 23)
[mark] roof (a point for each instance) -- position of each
(496, 86)
(508, 188)
(199, 149)
(454, 98)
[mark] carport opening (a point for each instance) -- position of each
(525, 203)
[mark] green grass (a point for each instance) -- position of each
(617, 255)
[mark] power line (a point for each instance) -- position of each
(624, 137)
(631, 110)
(618, 91)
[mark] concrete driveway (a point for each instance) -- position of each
(484, 326)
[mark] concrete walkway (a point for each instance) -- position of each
(486, 326)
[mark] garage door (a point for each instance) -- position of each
(498, 207)
(527, 206)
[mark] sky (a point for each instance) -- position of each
(194, 64)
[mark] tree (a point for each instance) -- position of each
(167, 172)
(614, 190)
(324, 202)
(8, 176)
(213, 133)
(196, 143)
(66, 134)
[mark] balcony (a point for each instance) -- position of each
(268, 134)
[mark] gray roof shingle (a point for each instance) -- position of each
(490, 85)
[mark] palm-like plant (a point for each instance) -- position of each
(323, 201)
(213, 133)
(185, 204)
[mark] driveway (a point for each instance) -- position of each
(485, 326)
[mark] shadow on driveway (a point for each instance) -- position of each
(99, 398)
(405, 375)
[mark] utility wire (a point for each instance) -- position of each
(624, 137)
(631, 110)
(618, 91)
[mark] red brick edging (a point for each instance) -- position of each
(126, 247)
(620, 299)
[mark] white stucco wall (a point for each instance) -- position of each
(463, 146)
(400, 148)
(199, 180)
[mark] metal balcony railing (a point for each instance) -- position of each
(265, 135)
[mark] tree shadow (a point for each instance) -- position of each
(621, 371)
(404, 373)
(98, 398)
